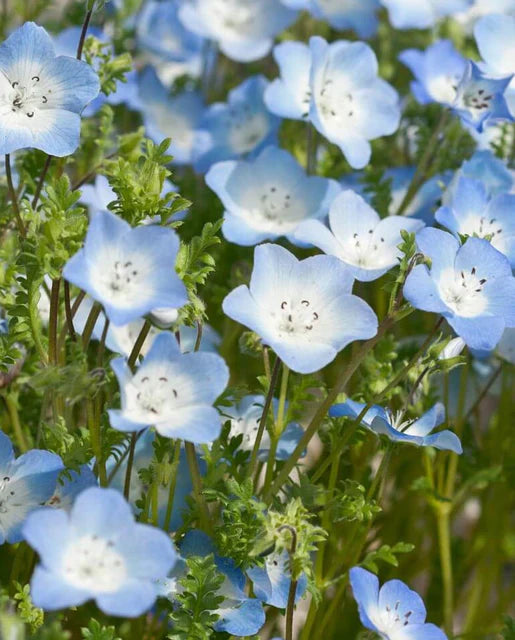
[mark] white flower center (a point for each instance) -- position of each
(237, 17)
(7, 496)
(121, 278)
(481, 227)
(366, 250)
(247, 426)
(25, 97)
(94, 564)
(296, 317)
(336, 103)
(463, 292)
(391, 620)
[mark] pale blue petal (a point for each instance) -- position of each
(198, 424)
(445, 440)
(429, 421)
(245, 620)
(119, 422)
(133, 599)
(479, 254)
(421, 292)
(102, 512)
(50, 592)
(482, 333)
(6, 450)
(147, 551)
(420, 632)
(394, 595)
(48, 532)
(74, 83)
(440, 247)
(164, 347)
(365, 588)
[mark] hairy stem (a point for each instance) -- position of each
(13, 197)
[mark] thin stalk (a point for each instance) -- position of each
(130, 462)
(483, 393)
(12, 195)
(74, 308)
(199, 336)
(12, 410)
(155, 501)
(444, 540)
(140, 340)
(454, 458)
(96, 441)
(290, 607)
(262, 423)
(173, 484)
(53, 322)
(83, 33)
(90, 325)
(380, 476)
(196, 480)
(68, 311)
(424, 164)
(277, 429)
(41, 181)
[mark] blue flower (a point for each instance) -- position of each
(495, 34)
(271, 583)
(438, 71)
(306, 324)
(359, 15)
(143, 457)
(395, 612)
(41, 95)
(472, 212)
(160, 32)
(69, 485)
(423, 204)
(176, 117)
(480, 99)
(239, 614)
(245, 418)
(25, 483)
(172, 391)
(243, 29)
(268, 197)
(289, 96)
(421, 14)
(358, 237)
(417, 432)
(97, 552)
(470, 285)
(350, 104)
(506, 347)
(130, 271)
(236, 128)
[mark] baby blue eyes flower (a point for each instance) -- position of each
(480, 99)
(394, 611)
(359, 15)
(268, 197)
(438, 71)
(350, 103)
(26, 483)
(130, 271)
(236, 128)
(172, 391)
(487, 168)
(304, 323)
(41, 95)
(472, 212)
(289, 96)
(421, 14)
(471, 286)
(176, 117)
(416, 432)
(271, 583)
(243, 29)
(495, 35)
(70, 485)
(239, 614)
(97, 552)
(358, 237)
(245, 418)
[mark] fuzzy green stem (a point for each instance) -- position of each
(41, 181)
(173, 484)
(196, 480)
(12, 195)
(290, 607)
(140, 340)
(53, 322)
(444, 540)
(278, 428)
(90, 325)
(12, 410)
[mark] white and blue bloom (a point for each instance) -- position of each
(417, 432)
(303, 309)
(350, 103)
(41, 95)
(359, 15)
(480, 99)
(239, 614)
(245, 418)
(176, 117)
(97, 552)
(271, 583)
(130, 271)
(423, 204)
(244, 30)
(358, 237)
(471, 286)
(289, 96)
(69, 485)
(438, 71)
(421, 14)
(472, 212)
(239, 127)
(172, 391)
(268, 197)
(395, 612)
(26, 483)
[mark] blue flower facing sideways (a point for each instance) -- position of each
(271, 583)
(26, 483)
(393, 611)
(421, 14)
(472, 212)
(41, 95)
(302, 309)
(239, 127)
(359, 15)
(350, 103)
(471, 286)
(172, 391)
(268, 197)
(97, 552)
(416, 432)
(130, 271)
(358, 237)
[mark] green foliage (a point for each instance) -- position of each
(198, 599)
(508, 632)
(379, 188)
(96, 631)
(28, 613)
(350, 503)
(242, 528)
(387, 554)
(110, 69)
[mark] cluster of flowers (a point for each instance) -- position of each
(90, 544)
